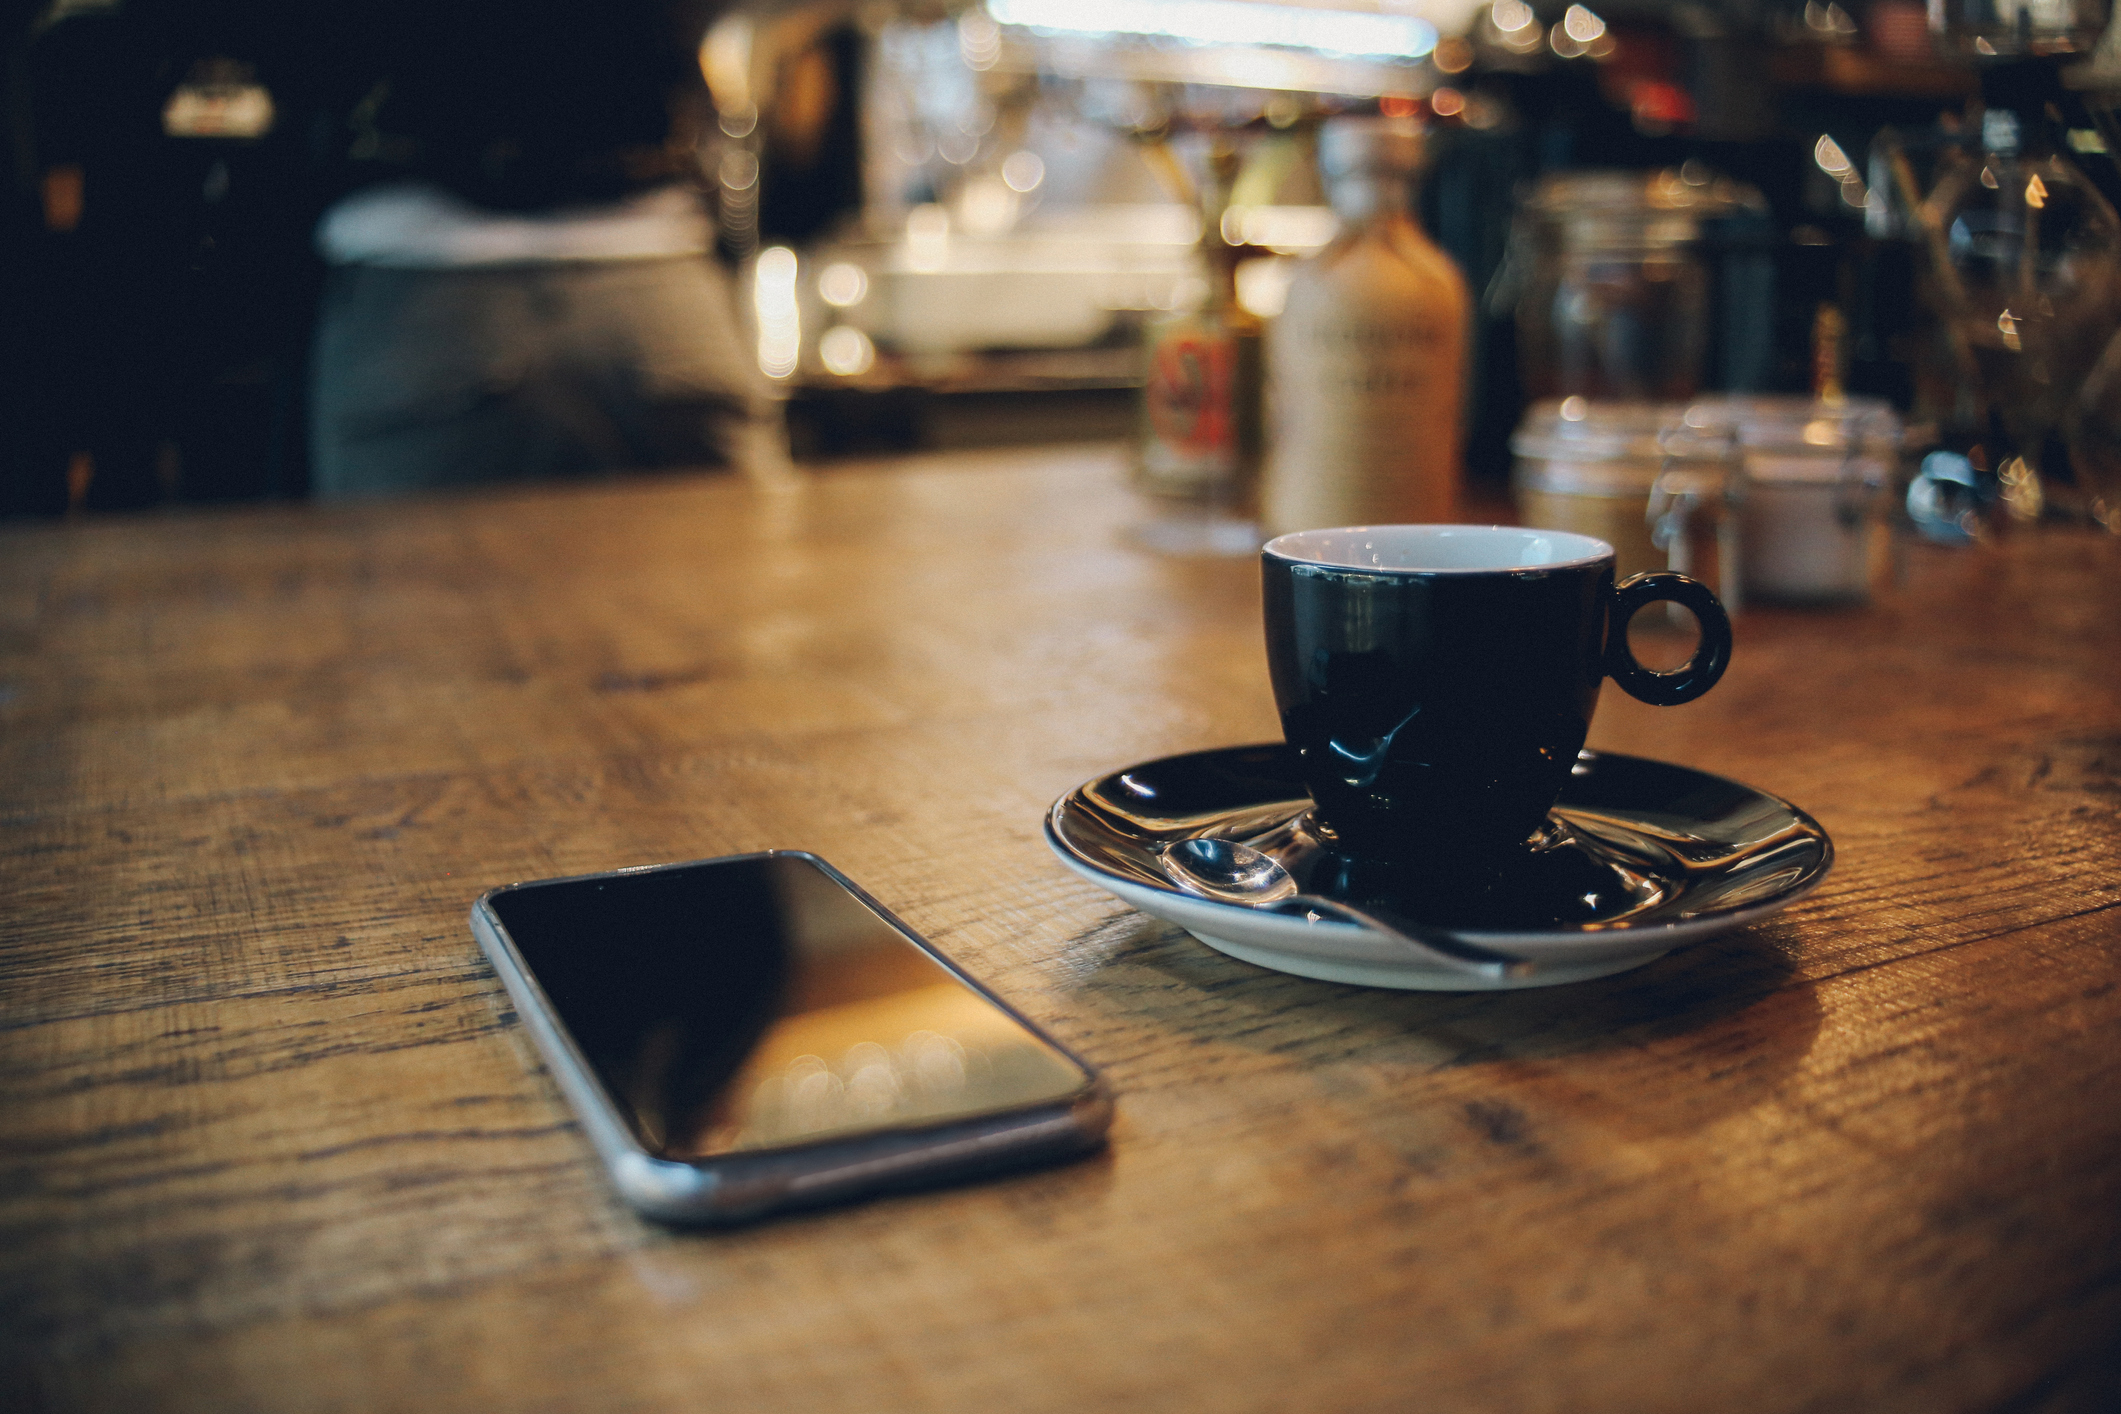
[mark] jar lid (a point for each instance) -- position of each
(1638, 208)
(1633, 478)
(1578, 430)
(1801, 426)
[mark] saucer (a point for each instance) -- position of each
(1640, 857)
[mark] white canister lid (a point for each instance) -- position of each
(1805, 439)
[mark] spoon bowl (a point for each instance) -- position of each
(1224, 871)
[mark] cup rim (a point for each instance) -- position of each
(1568, 550)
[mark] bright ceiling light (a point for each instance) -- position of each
(846, 351)
(1360, 33)
(1510, 16)
(841, 285)
(1581, 25)
(1023, 170)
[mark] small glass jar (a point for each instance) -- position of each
(1612, 293)
(1810, 491)
(1593, 467)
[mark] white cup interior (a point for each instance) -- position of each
(1438, 549)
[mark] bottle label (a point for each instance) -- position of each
(1375, 360)
(1368, 375)
(1189, 423)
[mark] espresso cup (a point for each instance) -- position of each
(1437, 681)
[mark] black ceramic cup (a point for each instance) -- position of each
(1437, 681)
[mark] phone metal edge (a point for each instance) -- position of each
(741, 1187)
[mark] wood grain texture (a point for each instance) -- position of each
(271, 1138)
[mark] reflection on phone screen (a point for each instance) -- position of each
(755, 1003)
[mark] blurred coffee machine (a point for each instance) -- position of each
(1030, 179)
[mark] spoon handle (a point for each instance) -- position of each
(1433, 944)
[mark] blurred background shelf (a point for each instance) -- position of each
(949, 223)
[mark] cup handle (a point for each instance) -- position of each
(1700, 672)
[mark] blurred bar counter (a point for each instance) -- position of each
(965, 400)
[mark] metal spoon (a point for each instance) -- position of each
(1228, 872)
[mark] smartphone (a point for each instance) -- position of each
(755, 1033)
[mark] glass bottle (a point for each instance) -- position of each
(2028, 273)
(1367, 359)
(1197, 455)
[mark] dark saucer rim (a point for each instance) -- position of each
(1657, 931)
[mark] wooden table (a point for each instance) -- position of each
(271, 1139)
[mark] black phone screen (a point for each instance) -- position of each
(756, 1003)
